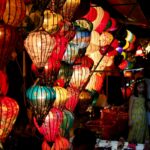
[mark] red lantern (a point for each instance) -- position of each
(14, 12)
(50, 127)
(73, 98)
(45, 146)
(7, 43)
(9, 110)
(3, 83)
(2, 8)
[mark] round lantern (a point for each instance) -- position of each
(67, 123)
(79, 77)
(9, 110)
(51, 125)
(14, 12)
(39, 46)
(7, 43)
(69, 8)
(3, 83)
(41, 99)
(73, 98)
(61, 97)
(51, 21)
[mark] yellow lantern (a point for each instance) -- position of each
(39, 46)
(51, 21)
(14, 12)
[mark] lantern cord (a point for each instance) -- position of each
(117, 33)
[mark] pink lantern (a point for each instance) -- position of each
(9, 110)
(73, 98)
(39, 46)
(50, 127)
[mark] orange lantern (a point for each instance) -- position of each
(7, 43)
(9, 110)
(3, 83)
(39, 46)
(73, 98)
(50, 127)
(14, 12)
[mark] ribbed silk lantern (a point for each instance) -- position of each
(61, 97)
(7, 43)
(14, 12)
(51, 125)
(3, 83)
(41, 99)
(73, 98)
(39, 46)
(9, 110)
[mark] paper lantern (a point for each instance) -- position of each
(69, 8)
(7, 43)
(9, 110)
(51, 21)
(79, 77)
(51, 125)
(39, 46)
(61, 97)
(41, 99)
(2, 8)
(14, 12)
(123, 64)
(67, 123)
(3, 83)
(73, 98)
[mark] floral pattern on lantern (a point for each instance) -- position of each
(39, 46)
(14, 12)
(41, 99)
(9, 110)
(51, 125)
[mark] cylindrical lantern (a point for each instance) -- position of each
(61, 97)
(67, 123)
(7, 43)
(3, 83)
(9, 110)
(79, 77)
(14, 12)
(73, 98)
(51, 125)
(41, 99)
(39, 46)
(51, 21)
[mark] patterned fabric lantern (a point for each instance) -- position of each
(69, 8)
(61, 97)
(67, 123)
(14, 12)
(51, 21)
(51, 125)
(41, 99)
(9, 110)
(3, 83)
(79, 77)
(73, 98)
(7, 43)
(39, 46)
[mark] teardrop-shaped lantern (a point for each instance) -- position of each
(79, 77)
(7, 43)
(67, 123)
(51, 21)
(39, 46)
(61, 97)
(69, 8)
(73, 98)
(3, 83)
(41, 99)
(51, 125)
(9, 110)
(14, 12)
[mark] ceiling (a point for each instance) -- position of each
(134, 14)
